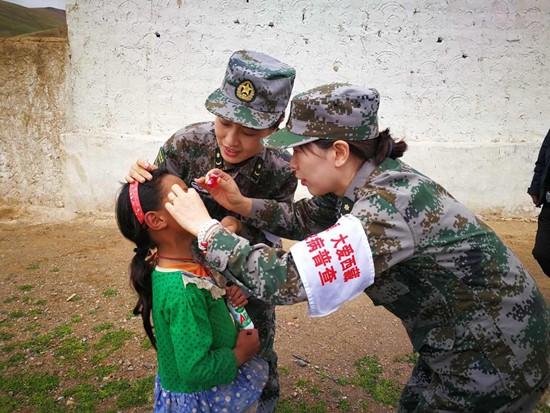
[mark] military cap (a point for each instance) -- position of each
(334, 111)
(255, 90)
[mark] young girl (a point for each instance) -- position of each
(204, 364)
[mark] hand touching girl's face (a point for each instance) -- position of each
(168, 181)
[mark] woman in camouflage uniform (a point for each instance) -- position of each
(473, 313)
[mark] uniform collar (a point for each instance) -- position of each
(345, 203)
(252, 168)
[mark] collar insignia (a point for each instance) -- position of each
(218, 160)
(346, 205)
(257, 170)
(161, 158)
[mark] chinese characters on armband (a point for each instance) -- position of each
(335, 265)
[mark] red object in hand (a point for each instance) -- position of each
(212, 181)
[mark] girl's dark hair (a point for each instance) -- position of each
(378, 149)
(150, 197)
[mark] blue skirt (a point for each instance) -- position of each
(236, 396)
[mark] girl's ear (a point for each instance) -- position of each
(155, 220)
(341, 153)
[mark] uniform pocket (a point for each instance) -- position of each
(435, 337)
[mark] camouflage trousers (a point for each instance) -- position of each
(479, 388)
(263, 317)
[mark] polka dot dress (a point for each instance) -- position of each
(235, 397)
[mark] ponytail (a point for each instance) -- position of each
(140, 278)
(141, 266)
(388, 148)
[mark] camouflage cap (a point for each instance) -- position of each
(334, 111)
(255, 90)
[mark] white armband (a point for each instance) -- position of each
(335, 265)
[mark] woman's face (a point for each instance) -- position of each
(314, 168)
(238, 143)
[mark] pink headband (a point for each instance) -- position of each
(134, 200)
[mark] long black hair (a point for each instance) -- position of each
(150, 196)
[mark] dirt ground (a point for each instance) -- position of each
(77, 270)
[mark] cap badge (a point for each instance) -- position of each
(246, 91)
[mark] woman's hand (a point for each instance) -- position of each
(232, 224)
(247, 345)
(226, 192)
(236, 296)
(187, 209)
(140, 171)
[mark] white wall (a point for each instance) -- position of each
(466, 83)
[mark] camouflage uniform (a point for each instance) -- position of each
(254, 93)
(472, 312)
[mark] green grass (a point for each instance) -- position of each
(15, 359)
(410, 358)
(34, 312)
(139, 393)
(32, 326)
(39, 390)
(344, 405)
(38, 345)
(128, 394)
(111, 292)
(17, 314)
(291, 406)
(27, 385)
(85, 387)
(369, 378)
(85, 396)
(103, 327)
(62, 331)
(71, 349)
(4, 336)
(8, 404)
(109, 343)
(146, 344)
